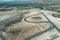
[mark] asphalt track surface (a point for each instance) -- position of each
(51, 22)
(39, 33)
(35, 22)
